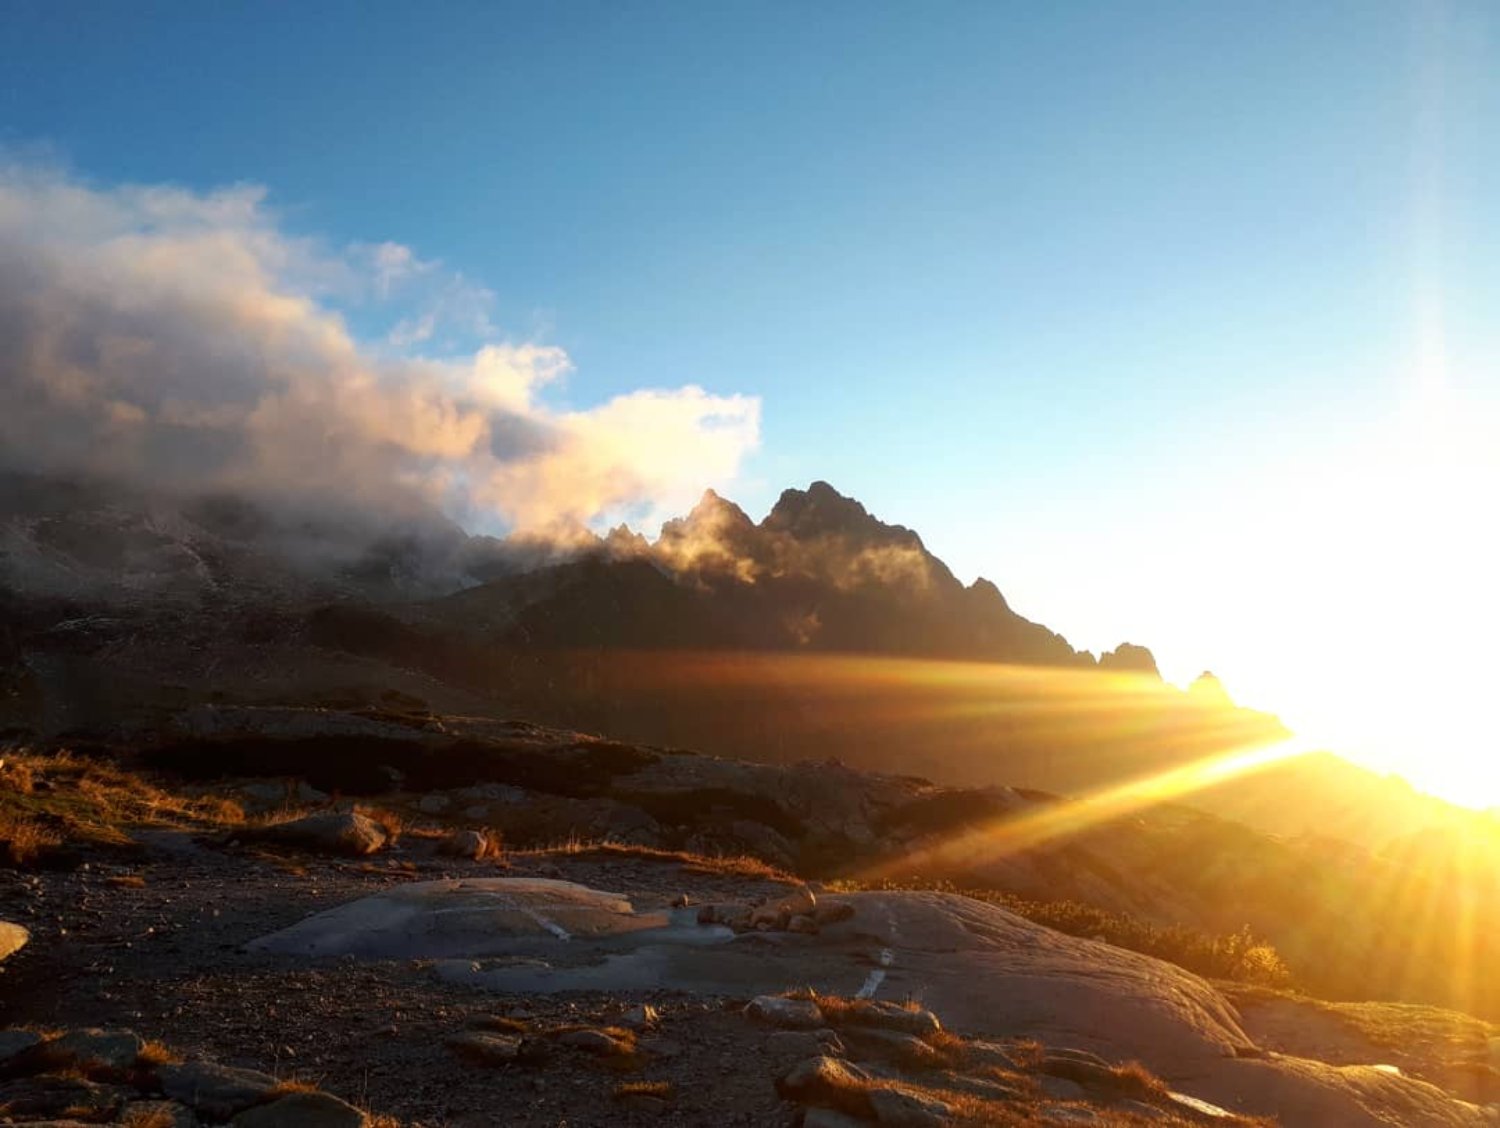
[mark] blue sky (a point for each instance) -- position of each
(1124, 306)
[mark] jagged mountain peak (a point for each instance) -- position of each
(820, 510)
(714, 507)
(1128, 658)
(986, 591)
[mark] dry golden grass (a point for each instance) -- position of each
(25, 839)
(1134, 1080)
(391, 868)
(392, 822)
(16, 773)
(661, 1090)
(499, 1023)
(154, 1054)
(148, 1118)
(1026, 1052)
(841, 1010)
(626, 1038)
(494, 845)
(950, 1048)
(275, 816)
(739, 865)
(126, 881)
(51, 798)
(295, 1085)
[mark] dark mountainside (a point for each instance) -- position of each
(819, 632)
(193, 688)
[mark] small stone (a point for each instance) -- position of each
(735, 916)
(907, 1049)
(788, 1014)
(642, 1017)
(800, 902)
(302, 1110)
(434, 803)
(895, 1108)
(334, 832)
(12, 938)
(892, 1016)
(14, 1043)
(59, 1098)
(485, 1047)
(216, 1092)
(472, 844)
(594, 1041)
(804, 924)
(769, 918)
(829, 1083)
(114, 1051)
(978, 1052)
(662, 1047)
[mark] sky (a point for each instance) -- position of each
(1178, 321)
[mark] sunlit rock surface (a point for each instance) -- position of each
(982, 969)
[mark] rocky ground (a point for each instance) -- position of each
(157, 946)
(173, 930)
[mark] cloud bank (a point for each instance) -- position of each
(185, 341)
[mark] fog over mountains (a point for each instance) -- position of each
(818, 573)
(118, 603)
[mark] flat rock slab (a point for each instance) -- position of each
(978, 966)
(981, 969)
(470, 918)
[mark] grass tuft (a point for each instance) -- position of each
(662, 1090)
(50, 799)
(737, 865)
(155, 1054)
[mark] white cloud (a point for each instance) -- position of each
(183, 340)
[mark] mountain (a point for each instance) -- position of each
(819, 574)
(818, 632)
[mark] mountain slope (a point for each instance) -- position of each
(818, 574)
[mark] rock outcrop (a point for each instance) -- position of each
(347, 833)
(116, 1077)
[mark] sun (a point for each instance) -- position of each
(1404, 600)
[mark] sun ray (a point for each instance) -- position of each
(1070, 817)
